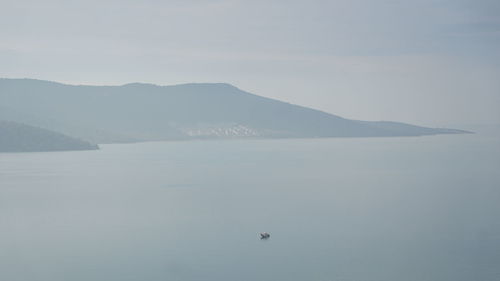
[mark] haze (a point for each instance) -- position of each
(158, 140)
(433, 63)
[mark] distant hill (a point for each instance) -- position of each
(16, 137)
(140, 112)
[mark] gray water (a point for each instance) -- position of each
(423, 208)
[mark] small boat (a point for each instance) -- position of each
(264, 235)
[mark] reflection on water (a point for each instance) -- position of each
(337, 209)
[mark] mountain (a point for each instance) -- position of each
(16, 137)
(141, 112)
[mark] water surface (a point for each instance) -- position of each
(369, 209)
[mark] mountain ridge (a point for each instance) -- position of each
(145, 112)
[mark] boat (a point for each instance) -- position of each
(264, 235)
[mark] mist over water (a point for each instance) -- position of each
(368, 209)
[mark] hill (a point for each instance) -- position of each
(141, 112)
(16, 137)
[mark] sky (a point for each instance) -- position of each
(426, 62)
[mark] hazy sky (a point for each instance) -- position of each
(429, 62)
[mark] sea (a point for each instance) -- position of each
(337, 209)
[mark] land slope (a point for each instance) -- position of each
(143, 112)
(16, 137)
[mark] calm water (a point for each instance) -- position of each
(337, 209)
